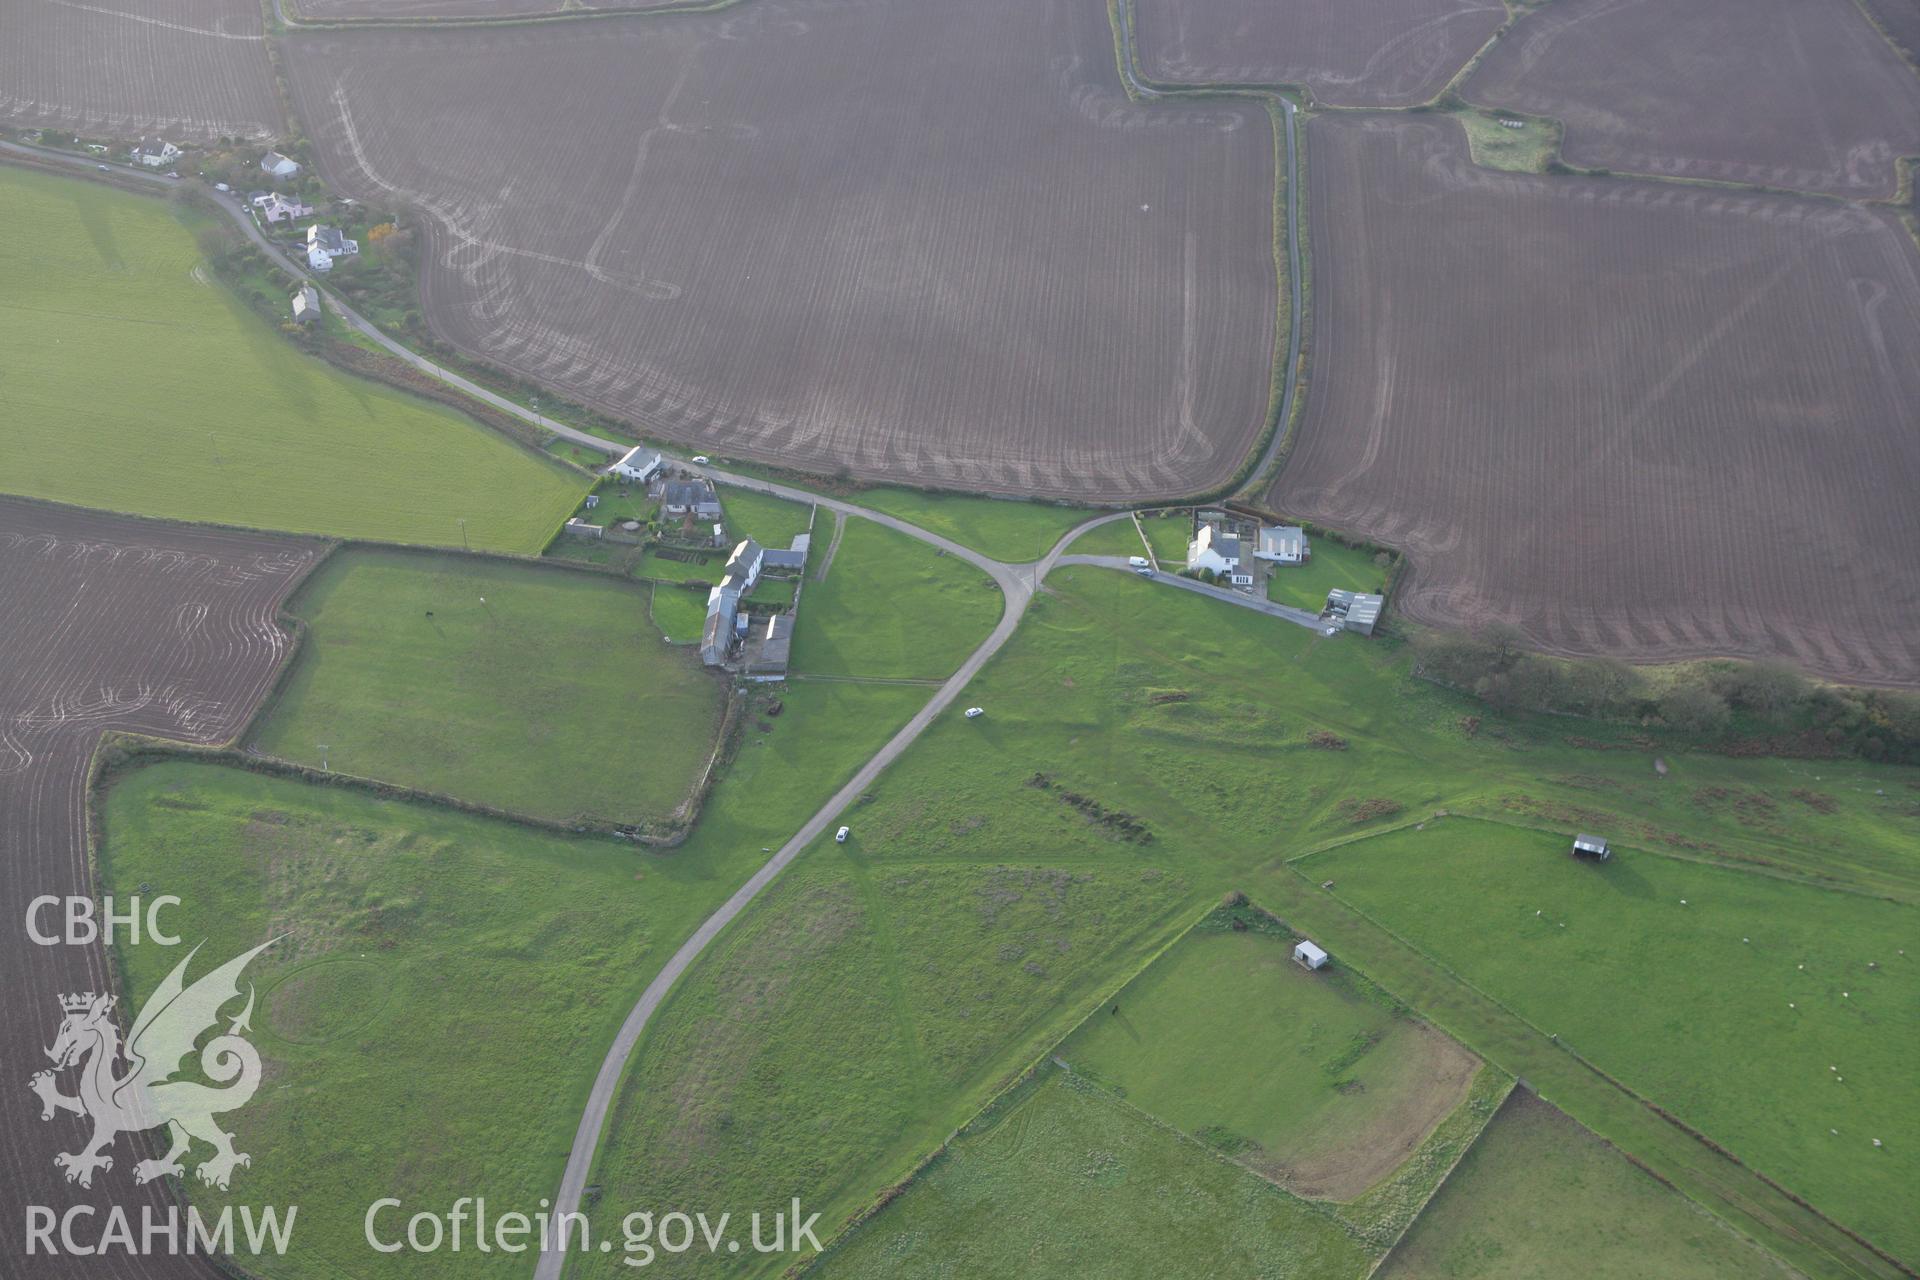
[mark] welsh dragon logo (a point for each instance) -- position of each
(147, 1095)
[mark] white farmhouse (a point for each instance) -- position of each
(324, 244)
(638, 465)
(1219, 553)
(155, 153)
(278, 165)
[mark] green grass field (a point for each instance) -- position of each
(1132, 725)
(855, 1016)
(1168, 534)
(892, 606)
(1318, 1081)
(1331, 565)
(1540, 1196)
(1002, 529)
(1746, 991)
(1066, 1181)
(680, 614)
(1527, 149)
(612, 508)
(135, 382)
(538, 690)
(530, 946)
(770, 521)
(429, 959)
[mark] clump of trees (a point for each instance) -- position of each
(1731, 704)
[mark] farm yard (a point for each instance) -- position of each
(1540, 1196)
(121, 348)
(1393, 54)
(1775, 1016)
(537, 690)
(107, 623)
(987, 270)
(1703, 475)
(188, 70)
(1802, 94)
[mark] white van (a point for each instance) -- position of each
(1136, 562)
(840, 836)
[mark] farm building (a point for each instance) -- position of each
(1354, 610)
(278, 165)
(638, 463)
(1217, 552)
(1282, 544)
(1308, 956)
(691, 496)
(792, 560)
(743, 566)
(1595, 847)
(768, 648)
(306, 304)
(155, 153)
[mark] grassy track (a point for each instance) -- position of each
(1540, 1196)
(554, 697)
(130, 384)
(1168, 534)
(1746, 991)
(892, 606)
(1069, 1182)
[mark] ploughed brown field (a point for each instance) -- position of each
(414, 10)
(1633, 418)
(106, 623)
(1383, 53)
(188, 70)
(1781, 93)
(1900, 19)
(925, 242)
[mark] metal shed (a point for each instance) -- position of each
(1308, 956)
(1586, 846)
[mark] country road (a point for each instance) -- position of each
(1017, 583)
(1285, 612)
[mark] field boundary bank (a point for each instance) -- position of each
(1017, 1080)
(1513, 1086)
(289, 18)
(1028, 1078)
(1700, 1139)
(1275, 437)
(1802, 879)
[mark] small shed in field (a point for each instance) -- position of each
(1595, 847)
(1308, 956)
